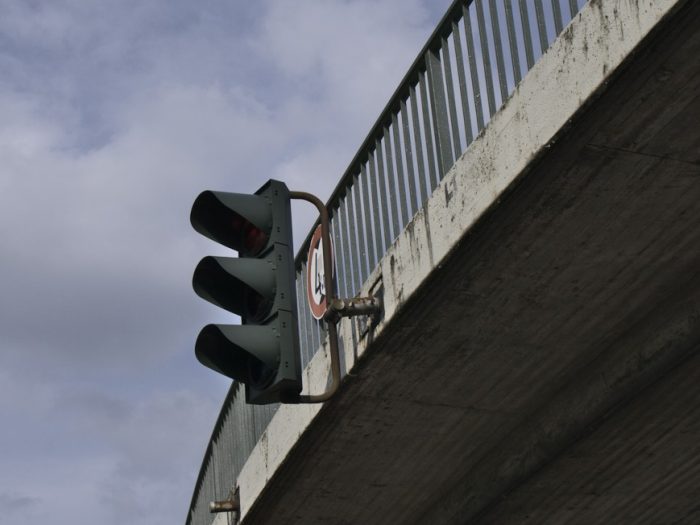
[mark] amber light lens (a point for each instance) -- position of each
(257, 307)
(260, 374)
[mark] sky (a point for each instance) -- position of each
(114, 116)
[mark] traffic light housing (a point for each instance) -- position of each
(258, 285)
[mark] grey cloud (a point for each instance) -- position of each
(116, 114)
(11, 504)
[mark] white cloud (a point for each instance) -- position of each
(115, 115)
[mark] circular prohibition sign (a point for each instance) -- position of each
(315, 275)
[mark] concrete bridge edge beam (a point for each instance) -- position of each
(582, 59)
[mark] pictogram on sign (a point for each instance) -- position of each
(315, 276)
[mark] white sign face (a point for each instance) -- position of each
(316, 276)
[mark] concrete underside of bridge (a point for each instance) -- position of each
(548, 370)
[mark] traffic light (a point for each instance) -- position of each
(258, 285)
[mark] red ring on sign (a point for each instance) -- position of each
(318, 308)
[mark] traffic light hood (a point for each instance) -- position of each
(244, 355)
(245, 287)
(239, 221)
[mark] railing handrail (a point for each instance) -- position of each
(421, 114)
(207, 452)
(384, 119)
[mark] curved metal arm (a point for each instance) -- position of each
(330, 297)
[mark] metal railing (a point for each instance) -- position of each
(478, 53)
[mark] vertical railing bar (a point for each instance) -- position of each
(470, 42)
(223, 452)
(430, 148)
(301, 320)
(207, 483)
(369, 221)
(212, 476)
(541, 26)
(360, 222)
(259, 422)
(485, 56)
(226, 467)
(228, 470)
(220, 470)
(573, 7)
(234, 442)
(338, 256)
(225, 486)
(316, 325)
(514, 54)
(308, 320)
(237, 437)
(400, 173)
(391, 184)
(300, 315)
(451, 101)
(245, 435)
(376, 212)
(322, 332)
(215, 467)
(408, 150)
(498, 48)
(441, 128)
(264, 418)
(256, 425)
(418, 142)
(270, 412)
(311, 323)
(347, 248)
(232, 433)
(558, 21)
(461, 76)
(303, 326)
(230, 467)
(231, 440)
(239, 443)
(354, 245)
(252, 435)
(381, 185)
(226, 448)
(316, 339)
(527, 34)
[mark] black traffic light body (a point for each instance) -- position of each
(258, 285)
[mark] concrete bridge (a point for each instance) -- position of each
(538, 357)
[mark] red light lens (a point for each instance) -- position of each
(251, 239)
(254, 239)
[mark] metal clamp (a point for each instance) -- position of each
(338, 308)
(230, 505)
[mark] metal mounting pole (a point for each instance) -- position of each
(336, 308)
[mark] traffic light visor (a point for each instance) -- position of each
(245, 287)
(247, 354)
(239, 221)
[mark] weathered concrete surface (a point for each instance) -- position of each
(538, 359)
